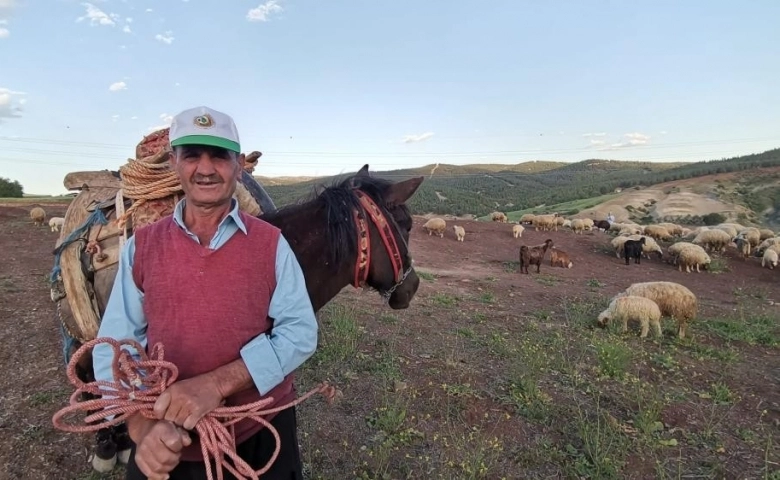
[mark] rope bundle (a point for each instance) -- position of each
(137, 385)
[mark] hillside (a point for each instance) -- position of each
(480, 189)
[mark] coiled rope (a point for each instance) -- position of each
(137, 385)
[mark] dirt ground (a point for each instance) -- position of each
(489, 374)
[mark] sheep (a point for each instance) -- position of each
(38, 216)
(657, 232)
(675, 249)
(630, 230)
(566, 223)
(632, 307)
(560, 258)
(728, 229)
(546, 222)
(690, 256)
(765, 233)
(616, 227)
(517, 231)
(673, 229)
(56, 223)
(460, 232)
(650, 246)
(533, 255)
(527, 218)
(435, 225)
(633, 249)
(713, 240)
(766, 243)
(588, 223)
(674, 300)
(769, 259)
(577, 226)
(498, 217)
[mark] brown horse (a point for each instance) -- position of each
(354, 232)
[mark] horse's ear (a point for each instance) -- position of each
(363, 172)
(400, 192)
(318, 189)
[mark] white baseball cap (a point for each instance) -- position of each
(204, 126)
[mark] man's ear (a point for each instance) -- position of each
(172, 158)
(241, 163)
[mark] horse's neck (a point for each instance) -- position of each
(306, 230)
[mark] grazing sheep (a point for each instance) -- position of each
(633, 249)
(675, 249)
(674, 229)
(769, 258)
(631, 230)
(578, 226)
(533, 255)
(713, 240)
(616, 228)
(753, 235)
(631, 307)
(657, 232)
(527, 218)
(588, 223)
(692, 256)
(517, 231)
(56, 223)
(766, 233)
(759, 251)
(498, 217)
(566, 223)
(728, 229)
(559, 258)
(435, 225)
(38, 216)
(602, 225)
(673, 299)
(546, 222)
(460, 232)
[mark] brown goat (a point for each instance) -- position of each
(533, 255)
(559, 258)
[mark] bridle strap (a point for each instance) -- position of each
(364, 240)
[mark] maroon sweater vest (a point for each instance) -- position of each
(204, 305)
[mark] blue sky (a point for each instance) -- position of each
(324, 87)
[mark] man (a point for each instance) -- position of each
(610, 218)
(225, 295)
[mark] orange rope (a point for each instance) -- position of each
(136, 386)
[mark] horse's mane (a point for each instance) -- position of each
(339, 201)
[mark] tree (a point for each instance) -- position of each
(10, 189)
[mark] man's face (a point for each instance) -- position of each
(208, 175)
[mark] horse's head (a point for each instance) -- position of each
(388, 265)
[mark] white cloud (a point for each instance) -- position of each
(167, 38)
(7, 4)
(4, 32)
(97, 16)
(663, 132)
(129, 19)
(600, 134)
(263, 11)
(133, 118)
(117, 86)
(417, 138)
(165, 118)
(126, 29)
(596, 143)
(114, 118)
(628, 140)
(10, 104)
(149, 10)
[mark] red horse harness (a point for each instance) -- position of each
(364, 241)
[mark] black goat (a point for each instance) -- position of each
(601, 225)
(633, 249)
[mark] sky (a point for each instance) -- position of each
(323, 88)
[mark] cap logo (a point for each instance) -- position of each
(204, 121)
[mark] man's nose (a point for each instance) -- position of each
(205, 164)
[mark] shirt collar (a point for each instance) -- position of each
(178, 216)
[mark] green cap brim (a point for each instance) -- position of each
(207, 140)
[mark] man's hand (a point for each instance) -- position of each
(187, 401)
(159, 449)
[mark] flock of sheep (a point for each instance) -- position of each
(38, 216)
(646, 302)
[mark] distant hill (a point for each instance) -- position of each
(481, 189)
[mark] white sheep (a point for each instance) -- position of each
(692, 256)
(435, 225)
(766, 233)
(769, 259)
(578, 226)
(674, 300)
(632, 308)
(460, 232)
(527, 218)
(56, 223)
(657, 232)
(713, 240)
(517, 231)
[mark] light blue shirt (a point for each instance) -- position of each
(268, 357)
